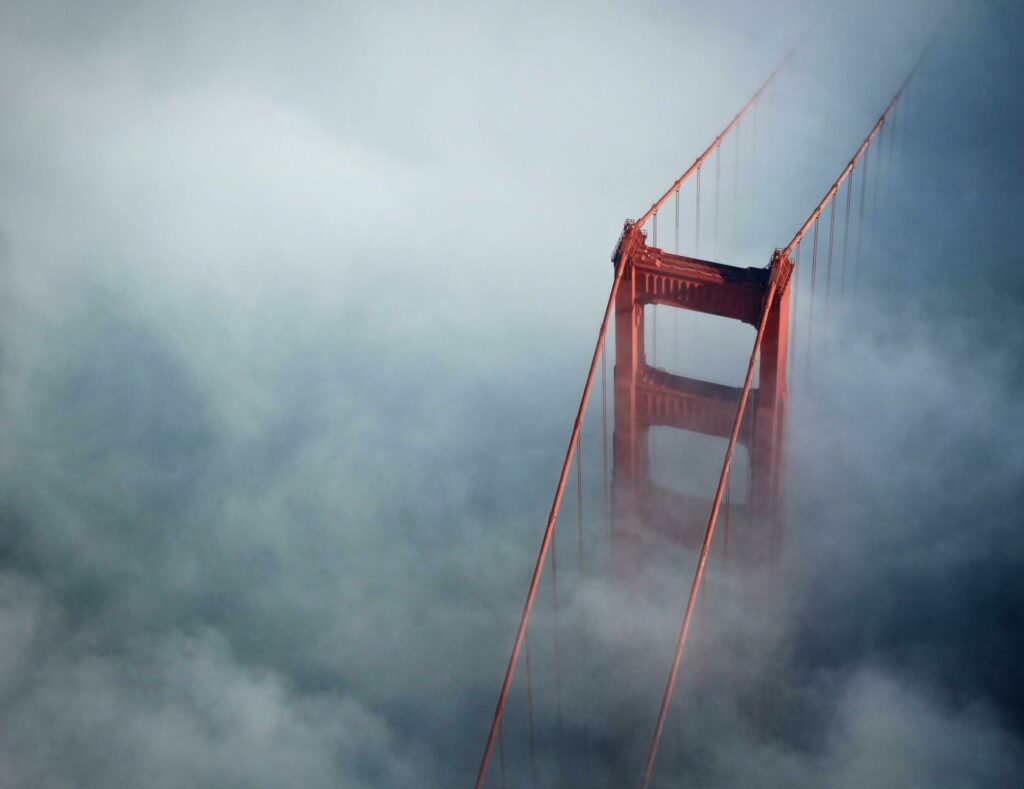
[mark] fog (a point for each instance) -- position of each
(296, 303)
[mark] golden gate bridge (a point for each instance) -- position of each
(647, 397)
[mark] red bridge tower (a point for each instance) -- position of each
(646, 396)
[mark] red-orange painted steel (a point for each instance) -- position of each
(647, 397)
(709, 533)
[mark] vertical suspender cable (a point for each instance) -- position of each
(675, 339)
(753, 159)
(654, 335)
(828, 276)
(696, 220)
(725, 530)
(654, 307)
(898, 124)
(675, 313)
(892, 143)
(846, 233)
(795, 285)
(752, 445)
(554, 587)
(558, 647)
(579, 506)
(875, 186)
(900, 134)
(604, 445)
(908, 115)
(579, 556)
(890, 150)
(883, 137)
(860, 216)
(736, 192)
(718, 192)
(529, 713)
(677, 221)
(501, 756)
(810, 302)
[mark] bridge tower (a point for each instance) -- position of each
(647, 397)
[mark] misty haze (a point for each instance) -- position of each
(297, 307)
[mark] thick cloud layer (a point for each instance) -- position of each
(296, 304)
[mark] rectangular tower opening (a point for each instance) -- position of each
(690, 463)
(697, 345)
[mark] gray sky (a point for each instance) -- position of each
(296, 305)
